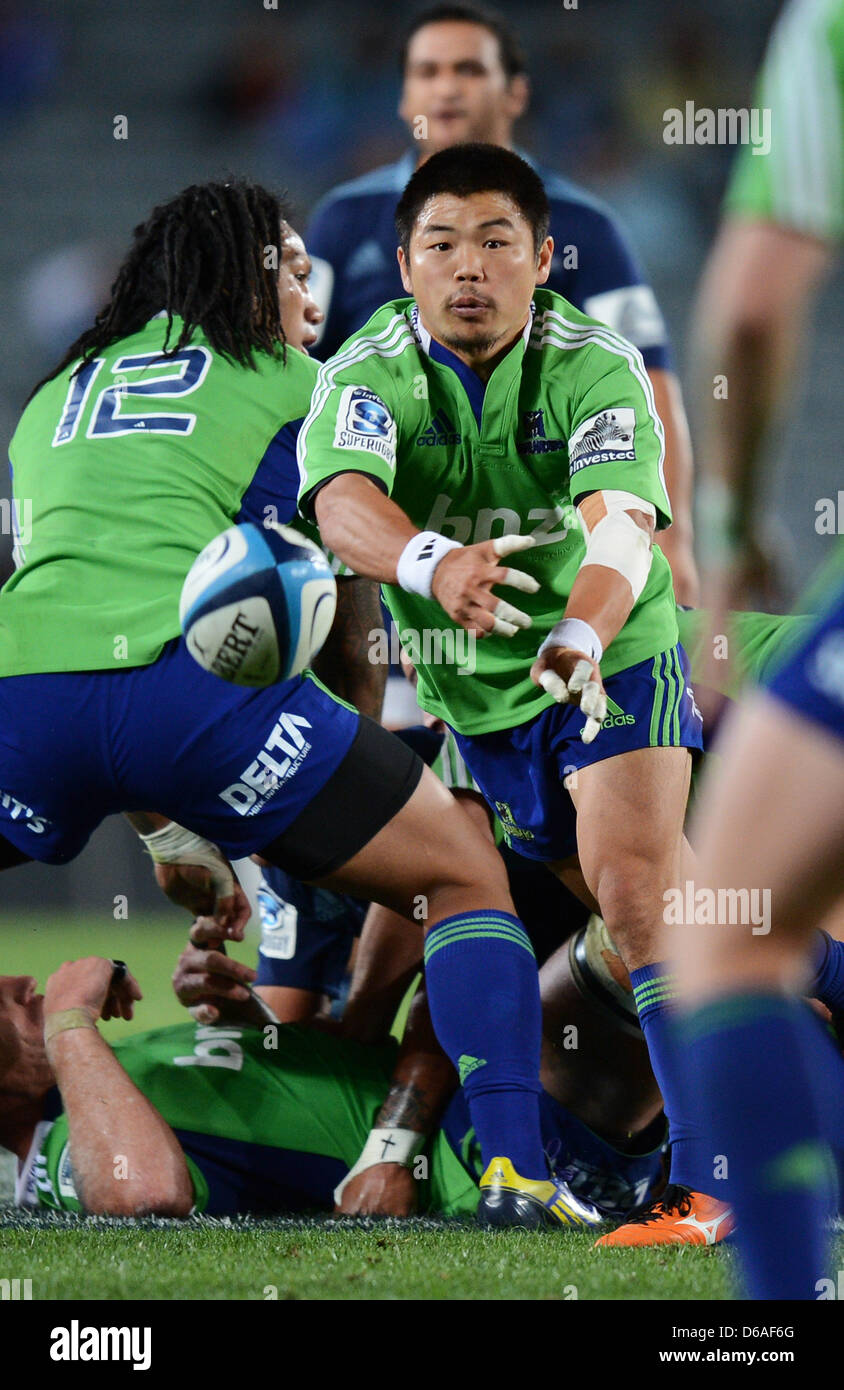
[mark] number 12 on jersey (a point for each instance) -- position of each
(183, 372)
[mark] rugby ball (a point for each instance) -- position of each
(257, 604)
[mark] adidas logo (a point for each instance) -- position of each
(466, 1065)
(440, 431)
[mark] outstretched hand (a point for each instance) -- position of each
(463, 583)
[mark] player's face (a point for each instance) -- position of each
(24, 1069)
(300, 313)
(472, 269)
(455, 88)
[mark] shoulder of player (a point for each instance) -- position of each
(383, 355)
(568, 338)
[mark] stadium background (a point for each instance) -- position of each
(302, 97)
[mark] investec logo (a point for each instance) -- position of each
(263, 777)
(545, 524)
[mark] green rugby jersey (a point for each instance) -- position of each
(121, 475)
(799, 181)
(569, 410)
(264, 1128)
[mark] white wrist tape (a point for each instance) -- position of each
(384, 1146)
(419, 559)
(574, 632)
(617, 542)
(173, 844)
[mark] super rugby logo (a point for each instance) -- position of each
(365, 423)
(604, 438)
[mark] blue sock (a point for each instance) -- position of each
(766, 1078)
(483, 993)
(828, 962)
(691, 1156)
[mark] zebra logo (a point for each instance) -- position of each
(604, 438)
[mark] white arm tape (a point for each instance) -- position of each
(384, 1146)
(618, 543)
(576, 634)
(173, 844)
(419, 559)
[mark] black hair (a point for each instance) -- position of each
(512, 56)
(475, 168)
(204, 257)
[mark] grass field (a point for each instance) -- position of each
(149, 945)
(68, 1258)
(341, 1260)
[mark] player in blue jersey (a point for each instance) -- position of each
(464, 79)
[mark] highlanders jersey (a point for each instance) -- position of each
(569, 410)
(275, 1129)
(352, 240)
(264, 1128)
(121, 475)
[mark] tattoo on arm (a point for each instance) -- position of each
(408, 1107)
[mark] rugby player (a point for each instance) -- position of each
(775, 824)
(777, 1116)
(778, 241)
(464, 78)
(169, 419)
(609, 1075)
(233, 1119)
(554, 429)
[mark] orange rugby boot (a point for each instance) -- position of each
(678, 1217)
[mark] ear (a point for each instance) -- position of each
(518, 96)
(405, 270)
(543, 268)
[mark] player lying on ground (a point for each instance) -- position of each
(231, 1119)
(174, 416)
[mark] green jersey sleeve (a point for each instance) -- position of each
(351, 428)
(753, 645)
(616, 439)
(795, 178)
(54, 1182)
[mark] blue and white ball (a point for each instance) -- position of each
(257, 604)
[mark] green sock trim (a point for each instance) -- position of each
(469, 934)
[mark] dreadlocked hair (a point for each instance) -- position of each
(203, 257)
